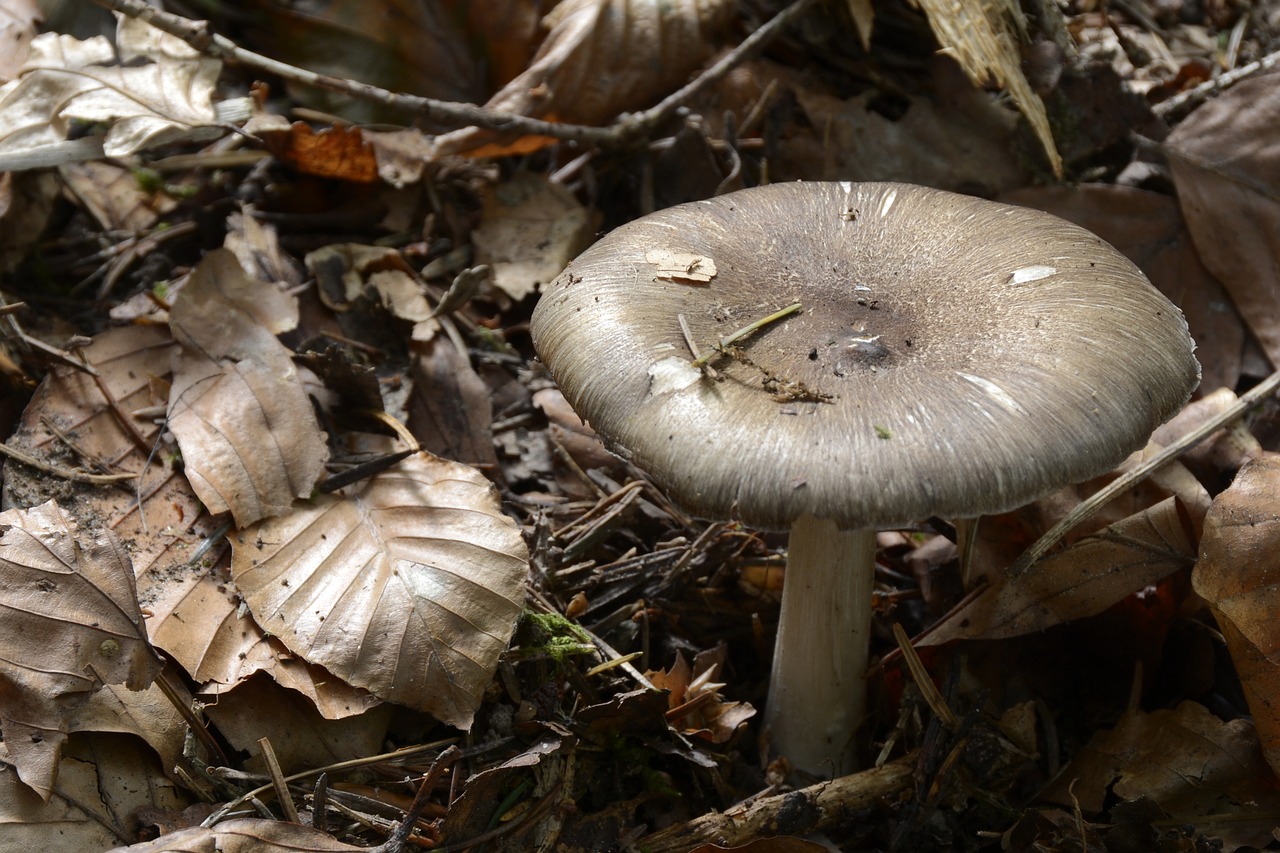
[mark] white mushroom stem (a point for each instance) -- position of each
(818, 691)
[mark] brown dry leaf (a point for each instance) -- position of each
(197, 619)
(103, 781)
(529, 231)
(17, 29)
(450, 408)
(249, 438)
(256, 246)
(114, 197)
(346, 272)
(984, 38)
(1148, 228)
(1199, 769)
(601, 58)
(1225, 158)
(65, 81)
(300, 737)
(72, 624)
(401, 45)
(334, 152)
(1239, 561)
(146, 714)
(1083, 580)
(407, 585)
(26, 202)
(244, 835)
(713, 719)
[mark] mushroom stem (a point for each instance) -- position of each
(818, 691)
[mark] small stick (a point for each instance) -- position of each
(693, 347)
(748, 330)
(923, 681)
(278, 782)
(65, 473)
(1121, 484)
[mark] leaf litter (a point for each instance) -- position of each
(535, 596)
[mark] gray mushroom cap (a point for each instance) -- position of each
(952, 356)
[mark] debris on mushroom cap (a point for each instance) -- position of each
(952, 356)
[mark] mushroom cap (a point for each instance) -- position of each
(952, 356)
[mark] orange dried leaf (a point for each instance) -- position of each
(335, 152)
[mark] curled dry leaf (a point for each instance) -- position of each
(248, 433)
(1199, 769)
(1239, 563)
(704, 712)
(246, 835)
(1083, 580)
(1226, 165)
(71, 624)
(66, 81)
(407, 585)
(601, 58)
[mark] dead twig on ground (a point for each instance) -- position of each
(452, 114)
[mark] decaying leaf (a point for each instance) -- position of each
(1239, 564)
(601, 58)
(530, 229)
(407, 585)
(299, 736)
(71, 624)
(1199, 769)
(345, 272)
(248, 433)
(1083, 580)
(114, 196)
(66, 82)
(684, 267)
(245, 835)
(1226, 165)
(102, 782)
(704, 713)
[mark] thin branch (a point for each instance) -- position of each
(1184, 101)
(1122, 484)
(198, 35)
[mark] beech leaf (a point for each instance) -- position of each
(1239, 564)
(245, 835)
(248, 434)
(71, 623)
(407, 585)
(1083, 580)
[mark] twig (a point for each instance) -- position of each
(65, 473)
(932, 696)
(810, 809)
(277, 781)
(1192, 97)
(198, 35)
(1125, 482)
(397, 841)
(749, 329)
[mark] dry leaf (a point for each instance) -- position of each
(300, 737)
(529, 231)
(244, 835)
(346, 272)
(66, 81)
(1239, 562)
(17, 29)
(1225, 158)
(984, 38)
(72, 624)
(711, 718)
(249, 438)
(147, 714)
(407, 585)
(601, 58)
(450, 409)
(102, 782)
(114, 197)
(1197, 768)
(1083, 580)
(335, 152)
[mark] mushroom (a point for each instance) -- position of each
(951, 356)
